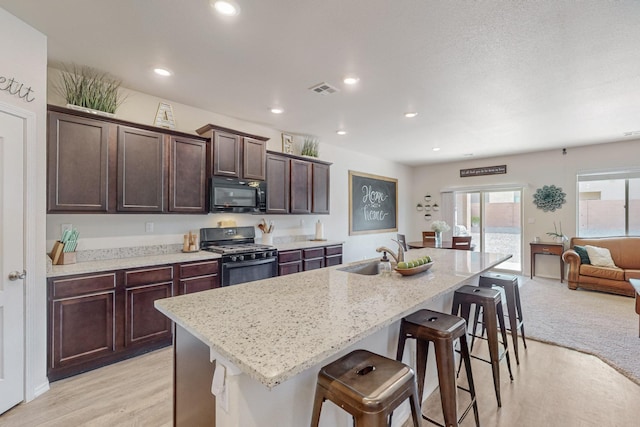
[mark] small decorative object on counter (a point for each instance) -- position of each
(319, 231)
(63, 251)
(384, 267)
(190, 243)
(267, 230)
(409, 268)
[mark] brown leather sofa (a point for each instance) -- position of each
(625, 252)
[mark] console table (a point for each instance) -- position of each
(547, 248)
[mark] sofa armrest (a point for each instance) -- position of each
(572, 258)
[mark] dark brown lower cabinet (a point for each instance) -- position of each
(82, 323)
(312, 259)
(296, 260)
(101, 318)
(143, 323)
(332, 255)
(289, 262)
(198, 276)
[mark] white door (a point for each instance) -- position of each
(11, 260)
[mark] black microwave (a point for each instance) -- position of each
(236, 195)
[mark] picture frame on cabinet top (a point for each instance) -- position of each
(287, 144)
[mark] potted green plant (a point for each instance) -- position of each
(559, 237)
(90, 90)
(310, 146)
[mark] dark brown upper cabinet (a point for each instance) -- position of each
(187, 175)
(254, 152)
(300, 187)
(277, 184)
(78, 163)
(297, 185)
(226, 154)
(236, 154)
(141, 174)
(106, 165)
(321, 177)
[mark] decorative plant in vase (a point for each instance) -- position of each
(310, 146)
(559, 237)
(90, 89)
(439, 227)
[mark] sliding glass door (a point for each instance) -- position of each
(494, 220)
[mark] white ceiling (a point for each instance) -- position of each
(486, 77)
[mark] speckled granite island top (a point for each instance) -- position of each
(274, 329)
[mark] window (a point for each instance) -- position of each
(609, 204)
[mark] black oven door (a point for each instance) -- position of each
(248, 271)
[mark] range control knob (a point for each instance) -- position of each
(240, 257)
(265, 254)
(268, 254)
(253, 256)
(234, 258)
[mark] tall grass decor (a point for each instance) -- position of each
(87, 87)
(310, 146)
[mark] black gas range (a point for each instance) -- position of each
(243, 260)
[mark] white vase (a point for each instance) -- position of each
(267, 238)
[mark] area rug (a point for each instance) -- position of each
(596, 323)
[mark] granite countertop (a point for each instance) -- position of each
(274, 329)
(304, 244)
(126, 263)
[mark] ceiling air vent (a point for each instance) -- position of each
(323, 88)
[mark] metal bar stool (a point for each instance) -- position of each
(368, 386)
(442, 330)
(514, 309)
(493, 316)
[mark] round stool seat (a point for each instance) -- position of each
(368, 386)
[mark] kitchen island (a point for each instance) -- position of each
(269, 338)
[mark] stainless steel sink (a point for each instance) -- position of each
(367, 269)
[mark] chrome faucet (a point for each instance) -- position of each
(399, 257)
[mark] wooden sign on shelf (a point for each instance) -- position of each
(164, 116)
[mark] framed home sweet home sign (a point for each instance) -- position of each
(485, 170)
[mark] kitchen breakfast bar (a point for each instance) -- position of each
(266, 340)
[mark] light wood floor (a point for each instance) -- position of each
(553, 386)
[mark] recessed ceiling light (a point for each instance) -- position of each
(226, 7)
(351, 80)
(277, 110)
(632, 133)
(341, 132)
(410, 114)
(436, 148)
(162, 72)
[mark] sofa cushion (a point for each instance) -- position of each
(600, 257)
(602, 272)
(582, 252)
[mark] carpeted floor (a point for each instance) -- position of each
(597, 323)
